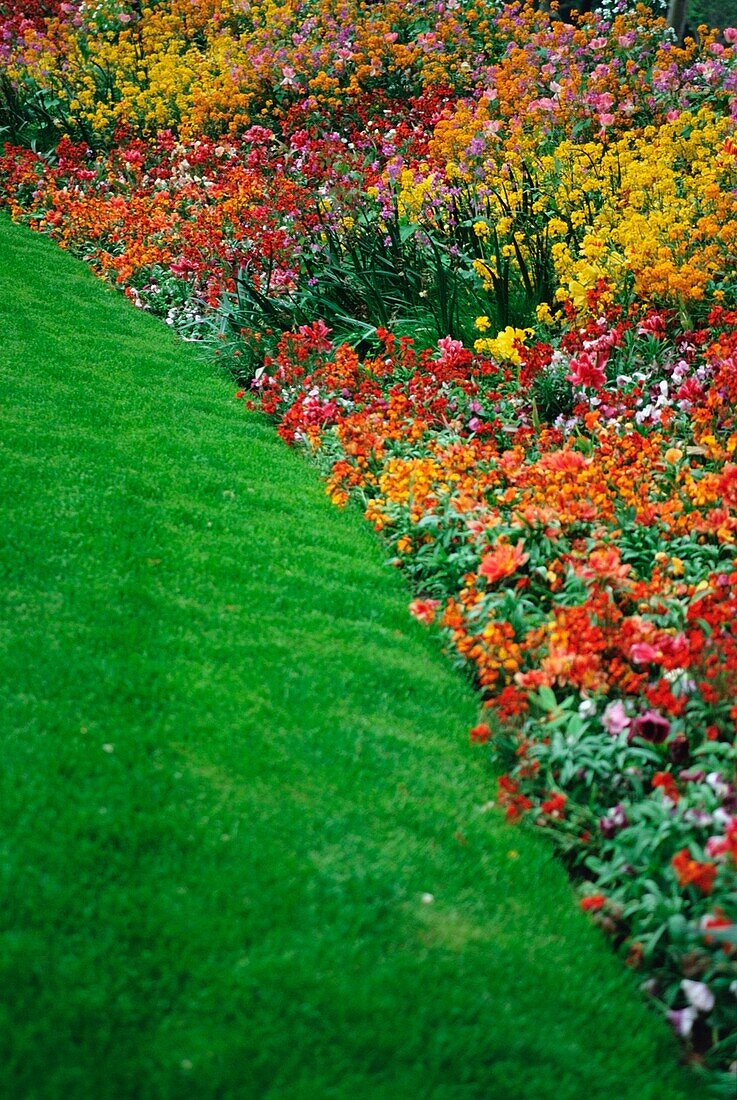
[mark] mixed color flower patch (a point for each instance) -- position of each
(482, 265)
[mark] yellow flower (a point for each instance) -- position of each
(503, 346)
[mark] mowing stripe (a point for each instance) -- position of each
(234, 769)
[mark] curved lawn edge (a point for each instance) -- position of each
(235, 769)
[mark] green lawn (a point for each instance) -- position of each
(232, 766)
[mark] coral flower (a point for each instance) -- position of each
(502, 562)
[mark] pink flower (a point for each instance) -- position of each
(730, 35)
(653, 325)
(585, 371)
(453, 353)
(615, 719)
(642, 653)
(448, 346)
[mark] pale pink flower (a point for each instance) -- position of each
(615, 719)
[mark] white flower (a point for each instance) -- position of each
(683, 1021)
(698, 995)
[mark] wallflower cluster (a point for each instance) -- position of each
(481, 264)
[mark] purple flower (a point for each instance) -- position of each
(650, 726)
(615, 820)
(692, 775)
(679, 749)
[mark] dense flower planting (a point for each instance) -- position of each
(482, 265)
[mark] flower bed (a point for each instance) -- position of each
(483, 269)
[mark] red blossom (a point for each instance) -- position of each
(592, 903)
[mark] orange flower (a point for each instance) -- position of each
(691, 872)
(503, 561)
(607, 564)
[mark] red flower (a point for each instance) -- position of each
(480, 734)
(555, 805)
(716, 922)
(667, 783)
(592, 903)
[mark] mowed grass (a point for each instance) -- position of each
(232, 766)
